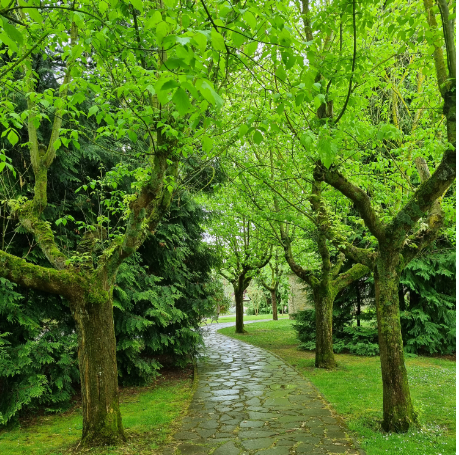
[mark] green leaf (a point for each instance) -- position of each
(257, 137)
(32, 12)
(12, 32)
(201, 41)
(8, 41)
(2, 166)
(191, 88)
(162, 30)
(281, 74)
(57, 143)
(169, 84)
(319, 100)
(137, 4)
(132, 136)
(103, 6)
(208, 92)
(238, 39)
(218, 42)
(243, 130)
(181, 101)
(155, 18)
(170, 3)
(327, 150)
(207, 144)
(250, 19)
(251, 48)
(12, 137)
(299, 99)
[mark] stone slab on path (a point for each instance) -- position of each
(250, 402)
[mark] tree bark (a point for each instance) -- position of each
(274, 304)
(239, 298)
(98, 369)
(359, 304)
(323, 302)
(398, 413)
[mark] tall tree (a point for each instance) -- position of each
(400, 238)
(148, 67)
(245, 253)
(272, 284)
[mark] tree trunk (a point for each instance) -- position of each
(274, 305)
(98, 370)
(239, 298)
(398, 413)
(323, 301)
(359, 304)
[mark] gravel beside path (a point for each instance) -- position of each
(250, 402)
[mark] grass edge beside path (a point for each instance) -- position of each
(150, 415)
(354, 390)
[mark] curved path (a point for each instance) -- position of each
(250, 402)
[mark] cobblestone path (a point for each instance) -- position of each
(250, 402)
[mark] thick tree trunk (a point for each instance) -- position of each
(98, 370)
(323, 301)
(239, 298)
(274, 305)
(398, 413)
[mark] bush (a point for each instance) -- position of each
(38, 350)
(428, 316)
(357, 340)
(353, 339)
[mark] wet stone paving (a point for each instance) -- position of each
(249, 402)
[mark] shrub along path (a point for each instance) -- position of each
(250, 402)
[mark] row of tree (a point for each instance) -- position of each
(313, 113)
(339, 133)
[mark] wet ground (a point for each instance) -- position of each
(250, 402)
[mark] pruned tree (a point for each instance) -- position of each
(245, 253)
(272, 284)
(401, 238)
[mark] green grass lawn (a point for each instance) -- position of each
(355, 391)
(149, 418)
(258, 317)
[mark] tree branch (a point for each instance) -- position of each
(339, 263)
(356, 272)
(354, 57)
(359, 255)
(356, 195)
(305, 275)
(423, 199)
(448, 32)
(21, 272)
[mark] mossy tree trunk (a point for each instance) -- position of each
(239, 299)
(273, 285)
(397, 406)
(325, 284)
(249, 258)
(274, 304)
(93, 315)
(87, 288)
(323, 303)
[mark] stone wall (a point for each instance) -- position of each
(299, 298)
